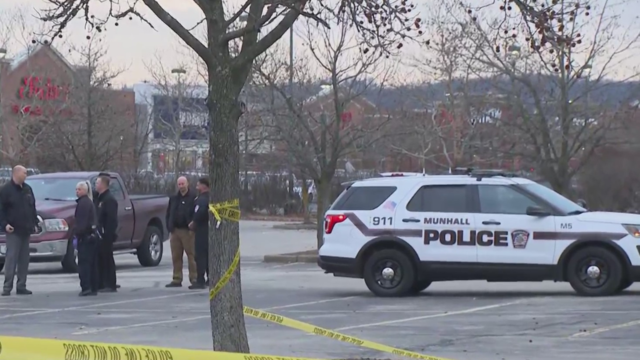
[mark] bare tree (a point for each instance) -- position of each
(319, 132)
(449, 128)
(93, 136)
(558, 84)
(266, 22)
(17, 31)
(179, 115)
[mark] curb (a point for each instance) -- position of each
(291, 258)
(296, 226)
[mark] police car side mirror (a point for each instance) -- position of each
(537, 211)
(582, 203)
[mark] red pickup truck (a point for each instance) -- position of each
(141, 220)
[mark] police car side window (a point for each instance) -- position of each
(444, 198)
(363, 197)
(498, 199)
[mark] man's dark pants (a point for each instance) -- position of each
(202, 254)
(107, 266)
(17, 258)
(88, 264)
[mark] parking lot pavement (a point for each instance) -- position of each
(456, 320)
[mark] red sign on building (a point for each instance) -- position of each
(41, 89)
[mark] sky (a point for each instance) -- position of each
(133, 43)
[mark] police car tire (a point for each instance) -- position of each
(420, 285)
(408, 273)
(625, 285)
(613, 283)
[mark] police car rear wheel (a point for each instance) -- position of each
(420, 285)
(595, 271)
(625, 285)
(389, 273)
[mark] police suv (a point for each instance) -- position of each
(401, 233)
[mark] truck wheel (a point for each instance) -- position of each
(389, 273)
(150, 251)
(595, 271)
(70, 260)
(420, 285)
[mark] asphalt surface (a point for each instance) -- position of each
(456, 320)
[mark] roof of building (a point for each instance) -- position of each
(25, 54)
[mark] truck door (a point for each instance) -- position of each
(126, 219)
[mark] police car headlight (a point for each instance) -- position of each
(55, 225)
(633, 230)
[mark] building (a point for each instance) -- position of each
(39, 90)
(175, 127)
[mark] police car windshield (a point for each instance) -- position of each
(563, 204)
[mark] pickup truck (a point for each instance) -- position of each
(141, 220)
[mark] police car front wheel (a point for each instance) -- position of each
(595, 271)
(389, 273)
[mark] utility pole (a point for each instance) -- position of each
(3, 53)
(289, 170)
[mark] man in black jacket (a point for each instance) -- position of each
(107, 225)
(18, 218)
(83, 230)
(179, 215)
(200, 224)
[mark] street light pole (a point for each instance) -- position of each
(176, 158)
(3, 53)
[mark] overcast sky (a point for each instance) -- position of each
(133, 41)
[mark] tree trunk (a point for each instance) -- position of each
(323, 189)
(227, 319)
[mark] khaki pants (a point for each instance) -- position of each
(183, 241)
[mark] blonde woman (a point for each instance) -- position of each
(84, 231)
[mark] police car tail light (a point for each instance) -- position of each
(55, 225)
(331, 220)
(633, 230)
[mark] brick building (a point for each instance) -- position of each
(38, 88)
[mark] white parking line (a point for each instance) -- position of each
(449, 313)
(50, 311)
(604, 329)
(98, 330)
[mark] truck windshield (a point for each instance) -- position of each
(563, 204)
(54, 189)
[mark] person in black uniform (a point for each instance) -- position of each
(84, 232)
(200, 225)
(19, 219)
(107, 226)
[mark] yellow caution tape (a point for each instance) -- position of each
(226, 210)
(19, 348)
(311, 329)
(226, 277)
(291, 323)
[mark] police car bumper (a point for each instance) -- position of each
(339, 266)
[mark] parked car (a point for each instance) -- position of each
(141, 220)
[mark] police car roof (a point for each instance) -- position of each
(442, 179)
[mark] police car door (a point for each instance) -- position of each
(504, 230)
(441, 213)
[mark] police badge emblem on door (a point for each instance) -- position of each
(519, 238)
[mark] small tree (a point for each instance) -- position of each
(318, 132)
(554, 70)
(93, 136)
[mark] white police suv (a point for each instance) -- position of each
(401, 233)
